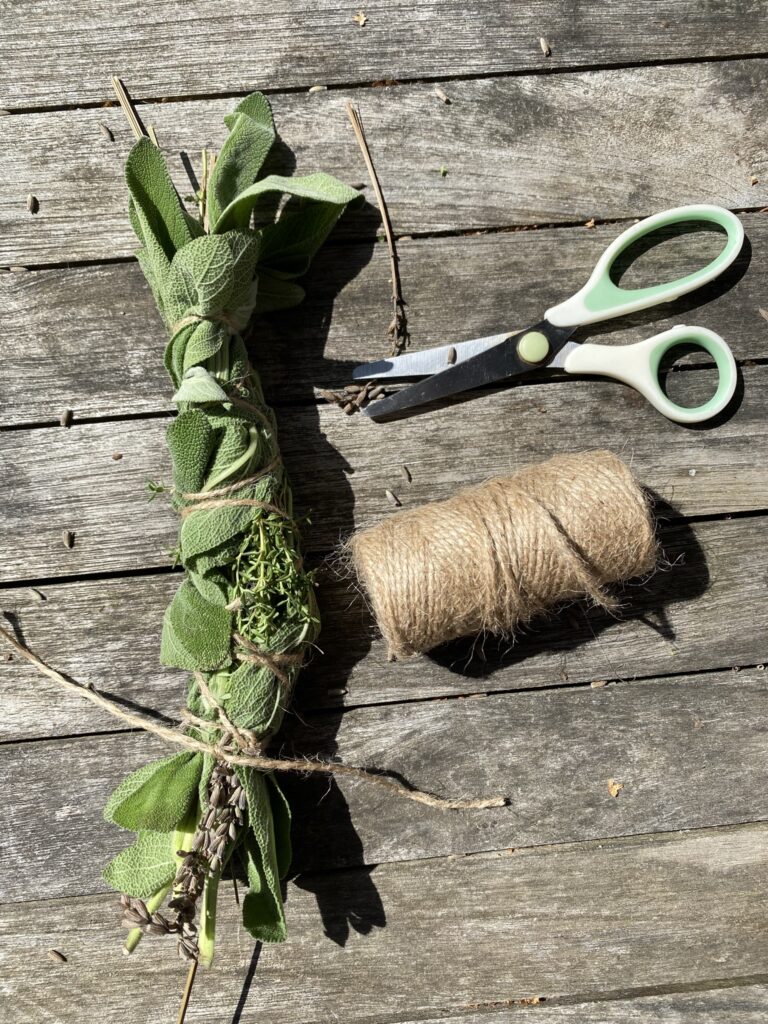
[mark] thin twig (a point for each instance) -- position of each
(128, 108)
(187, 992)
(233, 755)
(398, 329)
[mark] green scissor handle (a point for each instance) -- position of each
(601, 299)
(638, 365)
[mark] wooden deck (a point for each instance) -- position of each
(572, 905)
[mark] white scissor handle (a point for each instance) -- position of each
(638, 365)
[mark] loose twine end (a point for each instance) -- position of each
(232, 752)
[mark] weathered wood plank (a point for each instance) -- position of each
(736, 1004)
(186, 49)
(107, 632)
(426, 939)
(682, 748)
(90, 339)
(58, 479)
(531, 150)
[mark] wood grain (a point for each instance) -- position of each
(554, 149)
(60, 479)
(187, 49)
(737, 1004)
(107, 632)
(429, 939)
(689, 752)
(89, 338)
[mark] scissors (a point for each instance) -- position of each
(453, 368)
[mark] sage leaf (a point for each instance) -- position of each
(321, 188)
(143, 868)
(213, 587)
(157, 796)
(197, 385)
(263, 905)
(263, 915)
(190, 439)
(253, 697)
(196, 633)
(275, 293)
(289, 245)
(210, 527)
(281, 816)
(157, 209)
(251, 136)
(212, 276)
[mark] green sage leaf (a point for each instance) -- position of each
(321, 188)
(143, 868)
(157, 211)
(196, 633)
(251, 136)
(263, 914)
(190, 439)
(289, 245)
(212, 276)
(253, 697)
(281, 816)
(208, 528)
(275, 293)
(197, 385)
(157, 796)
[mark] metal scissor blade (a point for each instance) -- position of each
(427, 361)
(494, 364)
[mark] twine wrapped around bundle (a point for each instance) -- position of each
(494, 556)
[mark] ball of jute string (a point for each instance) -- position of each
(495, 556)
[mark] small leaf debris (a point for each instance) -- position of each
(590, 223)
(117, 456)
(614, 787)
(597, 684)
(68, 538)
(54, 954)
(106, 131)
(441, 95)
(393, 499)
(66, 418)
(546, 49)
(38, 595)
(405, 473)
(33, 203)
(318, 88)
(360, 18)
(754, 180)
(763, 312)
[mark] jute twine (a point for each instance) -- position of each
(495, 556)
(239, 746)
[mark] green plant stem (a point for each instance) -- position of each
(207, 935)
(135, 935)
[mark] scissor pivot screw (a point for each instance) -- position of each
(533, 347)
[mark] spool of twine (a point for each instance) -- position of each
(495, 556)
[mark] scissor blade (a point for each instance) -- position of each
(494, 364)
(426, 362)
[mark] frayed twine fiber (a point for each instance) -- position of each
(494, 556)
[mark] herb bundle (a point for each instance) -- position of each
(245, 614)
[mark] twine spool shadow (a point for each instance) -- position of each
(495, 556)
